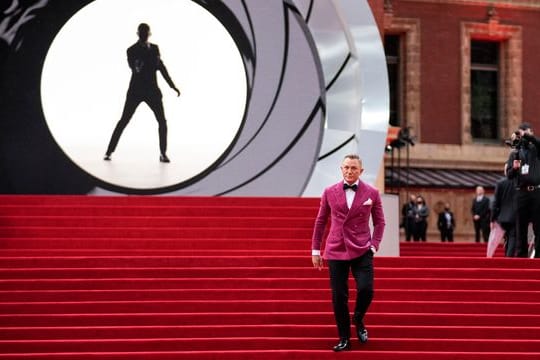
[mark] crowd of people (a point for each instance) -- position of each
(350, 205)
(514, 208)
(415, 215)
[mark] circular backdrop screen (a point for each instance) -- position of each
(85, 81)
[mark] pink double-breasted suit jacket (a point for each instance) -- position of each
(350, 235)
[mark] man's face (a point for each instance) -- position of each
(351, 170)
(144, 34)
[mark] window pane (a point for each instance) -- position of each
(392, 50)
(484, 52)
(391, 45)
(484, 104)
(393, 77)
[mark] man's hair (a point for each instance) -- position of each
(525, 126)
(354, 157)
(143, 28)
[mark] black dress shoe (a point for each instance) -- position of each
(362, 333)
(344, 344)
(107, 157)
(163, 158)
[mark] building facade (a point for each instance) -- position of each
(463, 75)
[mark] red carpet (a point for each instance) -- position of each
(230, 278)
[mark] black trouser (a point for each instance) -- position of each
(408, 225)
(420, 229)
(132, 102)
(511, 242)
(362, 271)
(481, 226)
(527, 211)
(447, 234)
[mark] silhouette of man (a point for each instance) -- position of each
(144, 60)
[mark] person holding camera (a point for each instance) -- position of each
(524, 169)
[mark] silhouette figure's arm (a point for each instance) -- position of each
(132, 61)
(167, 77)
(163, 70)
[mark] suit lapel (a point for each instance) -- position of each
(360, 197)
(341, 199)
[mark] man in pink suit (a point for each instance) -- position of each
(350, 245)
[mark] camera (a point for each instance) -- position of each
(516, 143)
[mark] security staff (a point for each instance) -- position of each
(503, 211)
(524, 168)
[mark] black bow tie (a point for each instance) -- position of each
(353, 187)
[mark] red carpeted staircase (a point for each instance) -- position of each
(231, 278)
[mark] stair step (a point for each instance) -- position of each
(140, 277)
(264, 343)
(262, 294)
(242, 330)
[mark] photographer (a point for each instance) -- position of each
(524, 168)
